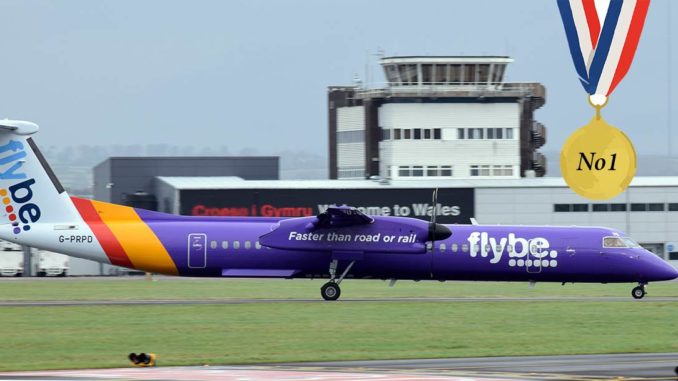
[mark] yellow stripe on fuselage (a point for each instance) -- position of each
(142, 246)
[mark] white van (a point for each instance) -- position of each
(11, 259)
(48, 263)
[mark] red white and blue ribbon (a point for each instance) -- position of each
(602, 48)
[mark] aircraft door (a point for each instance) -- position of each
(197, 250)
(533, 263)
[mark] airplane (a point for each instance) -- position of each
(339, 243)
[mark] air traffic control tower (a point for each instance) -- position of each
(437, 117)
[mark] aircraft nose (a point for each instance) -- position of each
(662, 270)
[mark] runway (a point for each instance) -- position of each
(56, 303)
(627, 367)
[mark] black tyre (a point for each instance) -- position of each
(330, 291)
(638, 292)
(41, 274)
(63, 274)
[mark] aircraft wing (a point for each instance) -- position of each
(342, 216)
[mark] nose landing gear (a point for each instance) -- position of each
(638, 292)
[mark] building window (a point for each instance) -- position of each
(673, 207)
(655, 207)
(601, 207)
(356, 136)
(460, 133)
(446, 170)
(437, 135)
(509, 133)
(417, 134)
(673, 256)
(561, 207)
(427, 134)
(418, 171)
(351, 172)
(403, 171)
(407, 134)
(385, 134)
(396, 134)
(431, 171)
(475, 133)
(617, 207)
(638, 207)
(580, 207)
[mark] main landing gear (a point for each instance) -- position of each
(331, 290)
(638, 292)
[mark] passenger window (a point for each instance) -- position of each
(498, 249)
(442, 247)
(464, 248)
(476, 248)
(257, 245)
(236, 244)
(455, 247)
(213, 245)
(487, 248)
(224, 245)
(509, 248)
(248, 245)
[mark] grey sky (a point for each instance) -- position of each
(254, 73)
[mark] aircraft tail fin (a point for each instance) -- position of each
(29, 190)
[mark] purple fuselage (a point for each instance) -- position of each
(397, 248)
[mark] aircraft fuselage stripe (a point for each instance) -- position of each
(112, 247)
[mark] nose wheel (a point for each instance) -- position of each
(638, 292)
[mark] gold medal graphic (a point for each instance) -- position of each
(598, 160)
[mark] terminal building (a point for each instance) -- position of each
(438, 118)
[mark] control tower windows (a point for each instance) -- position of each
(440, 74)
(469, 75)
(491, 170)
(430, 171)
(426, 74)
(483, 73)
(455, 73)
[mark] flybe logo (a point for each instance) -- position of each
(16, 198)
(520, 251)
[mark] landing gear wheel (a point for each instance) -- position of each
(638, 292)
(330, 291)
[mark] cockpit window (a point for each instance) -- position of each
(613, 242)
(619, 242)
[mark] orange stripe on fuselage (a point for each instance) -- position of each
(142, 246)
(126, 239)
(114, 251)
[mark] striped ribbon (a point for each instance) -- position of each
(602, 48)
